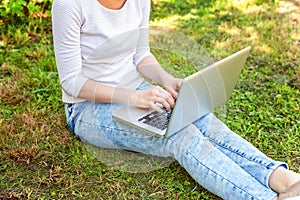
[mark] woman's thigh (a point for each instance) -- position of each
(93, 124)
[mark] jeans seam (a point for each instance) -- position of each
(238, 153)
(199, 162)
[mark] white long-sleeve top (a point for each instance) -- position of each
(92, 42)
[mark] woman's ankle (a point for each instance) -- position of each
(282, 178)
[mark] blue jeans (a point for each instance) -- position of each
(217, 158)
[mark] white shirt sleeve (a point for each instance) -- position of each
(78, 26)
(66, 23)
(143, 48)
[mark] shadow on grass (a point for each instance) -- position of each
(237, 26)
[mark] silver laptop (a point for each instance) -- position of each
(199, 94)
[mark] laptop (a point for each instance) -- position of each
(199, 94)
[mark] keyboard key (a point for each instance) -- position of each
(157, 119)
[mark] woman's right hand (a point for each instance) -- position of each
(150, 97)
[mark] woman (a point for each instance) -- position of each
(99, 48)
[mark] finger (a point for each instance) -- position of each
(164, 103)
(173, 93)
(163, 97)
(169, 98)
(156, 108)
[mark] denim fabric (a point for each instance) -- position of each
(217, 158)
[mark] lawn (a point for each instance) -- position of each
(41, 159)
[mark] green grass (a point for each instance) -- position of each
(41, 159)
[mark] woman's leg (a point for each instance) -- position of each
(215, 171)
(92, 123)
(237, 149)
(272, 174)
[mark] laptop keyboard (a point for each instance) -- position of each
(157, 119)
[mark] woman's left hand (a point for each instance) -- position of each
(172, 85)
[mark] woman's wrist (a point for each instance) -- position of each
(132, 97)
(122, 95)
(168, 80)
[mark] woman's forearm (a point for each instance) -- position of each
(150, 68)
(98, 92)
